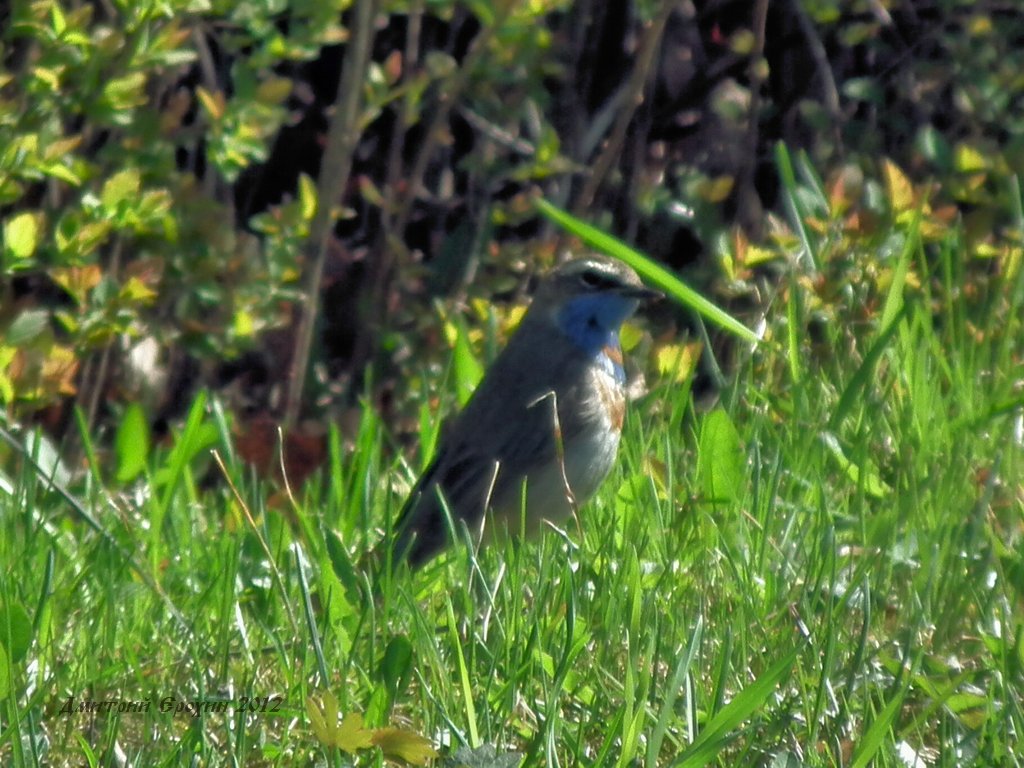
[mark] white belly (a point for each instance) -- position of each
(553, 491)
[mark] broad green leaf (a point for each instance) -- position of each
(27, 326)
(880, 729)
(396, 665)
(15, 631)
(720, 462)
(485, 756)
(132, 443)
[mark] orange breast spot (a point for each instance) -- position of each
(614, 354)
(617, 411)
(612, 398)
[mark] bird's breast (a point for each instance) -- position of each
(590, 451)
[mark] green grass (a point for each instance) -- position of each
(853, 593)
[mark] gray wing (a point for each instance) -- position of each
(505, 432)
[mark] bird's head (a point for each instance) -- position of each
(589, 298)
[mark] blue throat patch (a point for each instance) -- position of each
(592, 323)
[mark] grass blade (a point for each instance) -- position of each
(652, 272)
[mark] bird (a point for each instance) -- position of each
(542, 428)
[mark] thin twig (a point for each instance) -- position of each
(448, 95)
(335, 167)
(380, 270)
(750, 210)
(829, 90)
(633, 98)
(94, 375)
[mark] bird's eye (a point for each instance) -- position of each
(593, 279)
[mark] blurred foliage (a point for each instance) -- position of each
(159, 163)
(110, 234)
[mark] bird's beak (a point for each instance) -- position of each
(641, 293)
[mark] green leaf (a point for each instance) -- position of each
(132, 443)
(125, 92)
(21, 235)
(120, 187)
(396, 665)
(468, 370)
(27, 326)
(720, 461)
(15, 631)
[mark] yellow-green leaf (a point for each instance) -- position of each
(307, 196)
(323, 717)
(898, 187)
(135, 290)
(716, 189)
(629, 336)
(273, 90)
(968, 159)
(59, 149)
(755, 255)
(126, 91)
(21, 235)
(48, 75)
(351, 736)
(77, 281)
(243, 325)
(400, 744)
(119, 187)
(678, 361)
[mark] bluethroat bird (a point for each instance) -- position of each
(542, 428)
